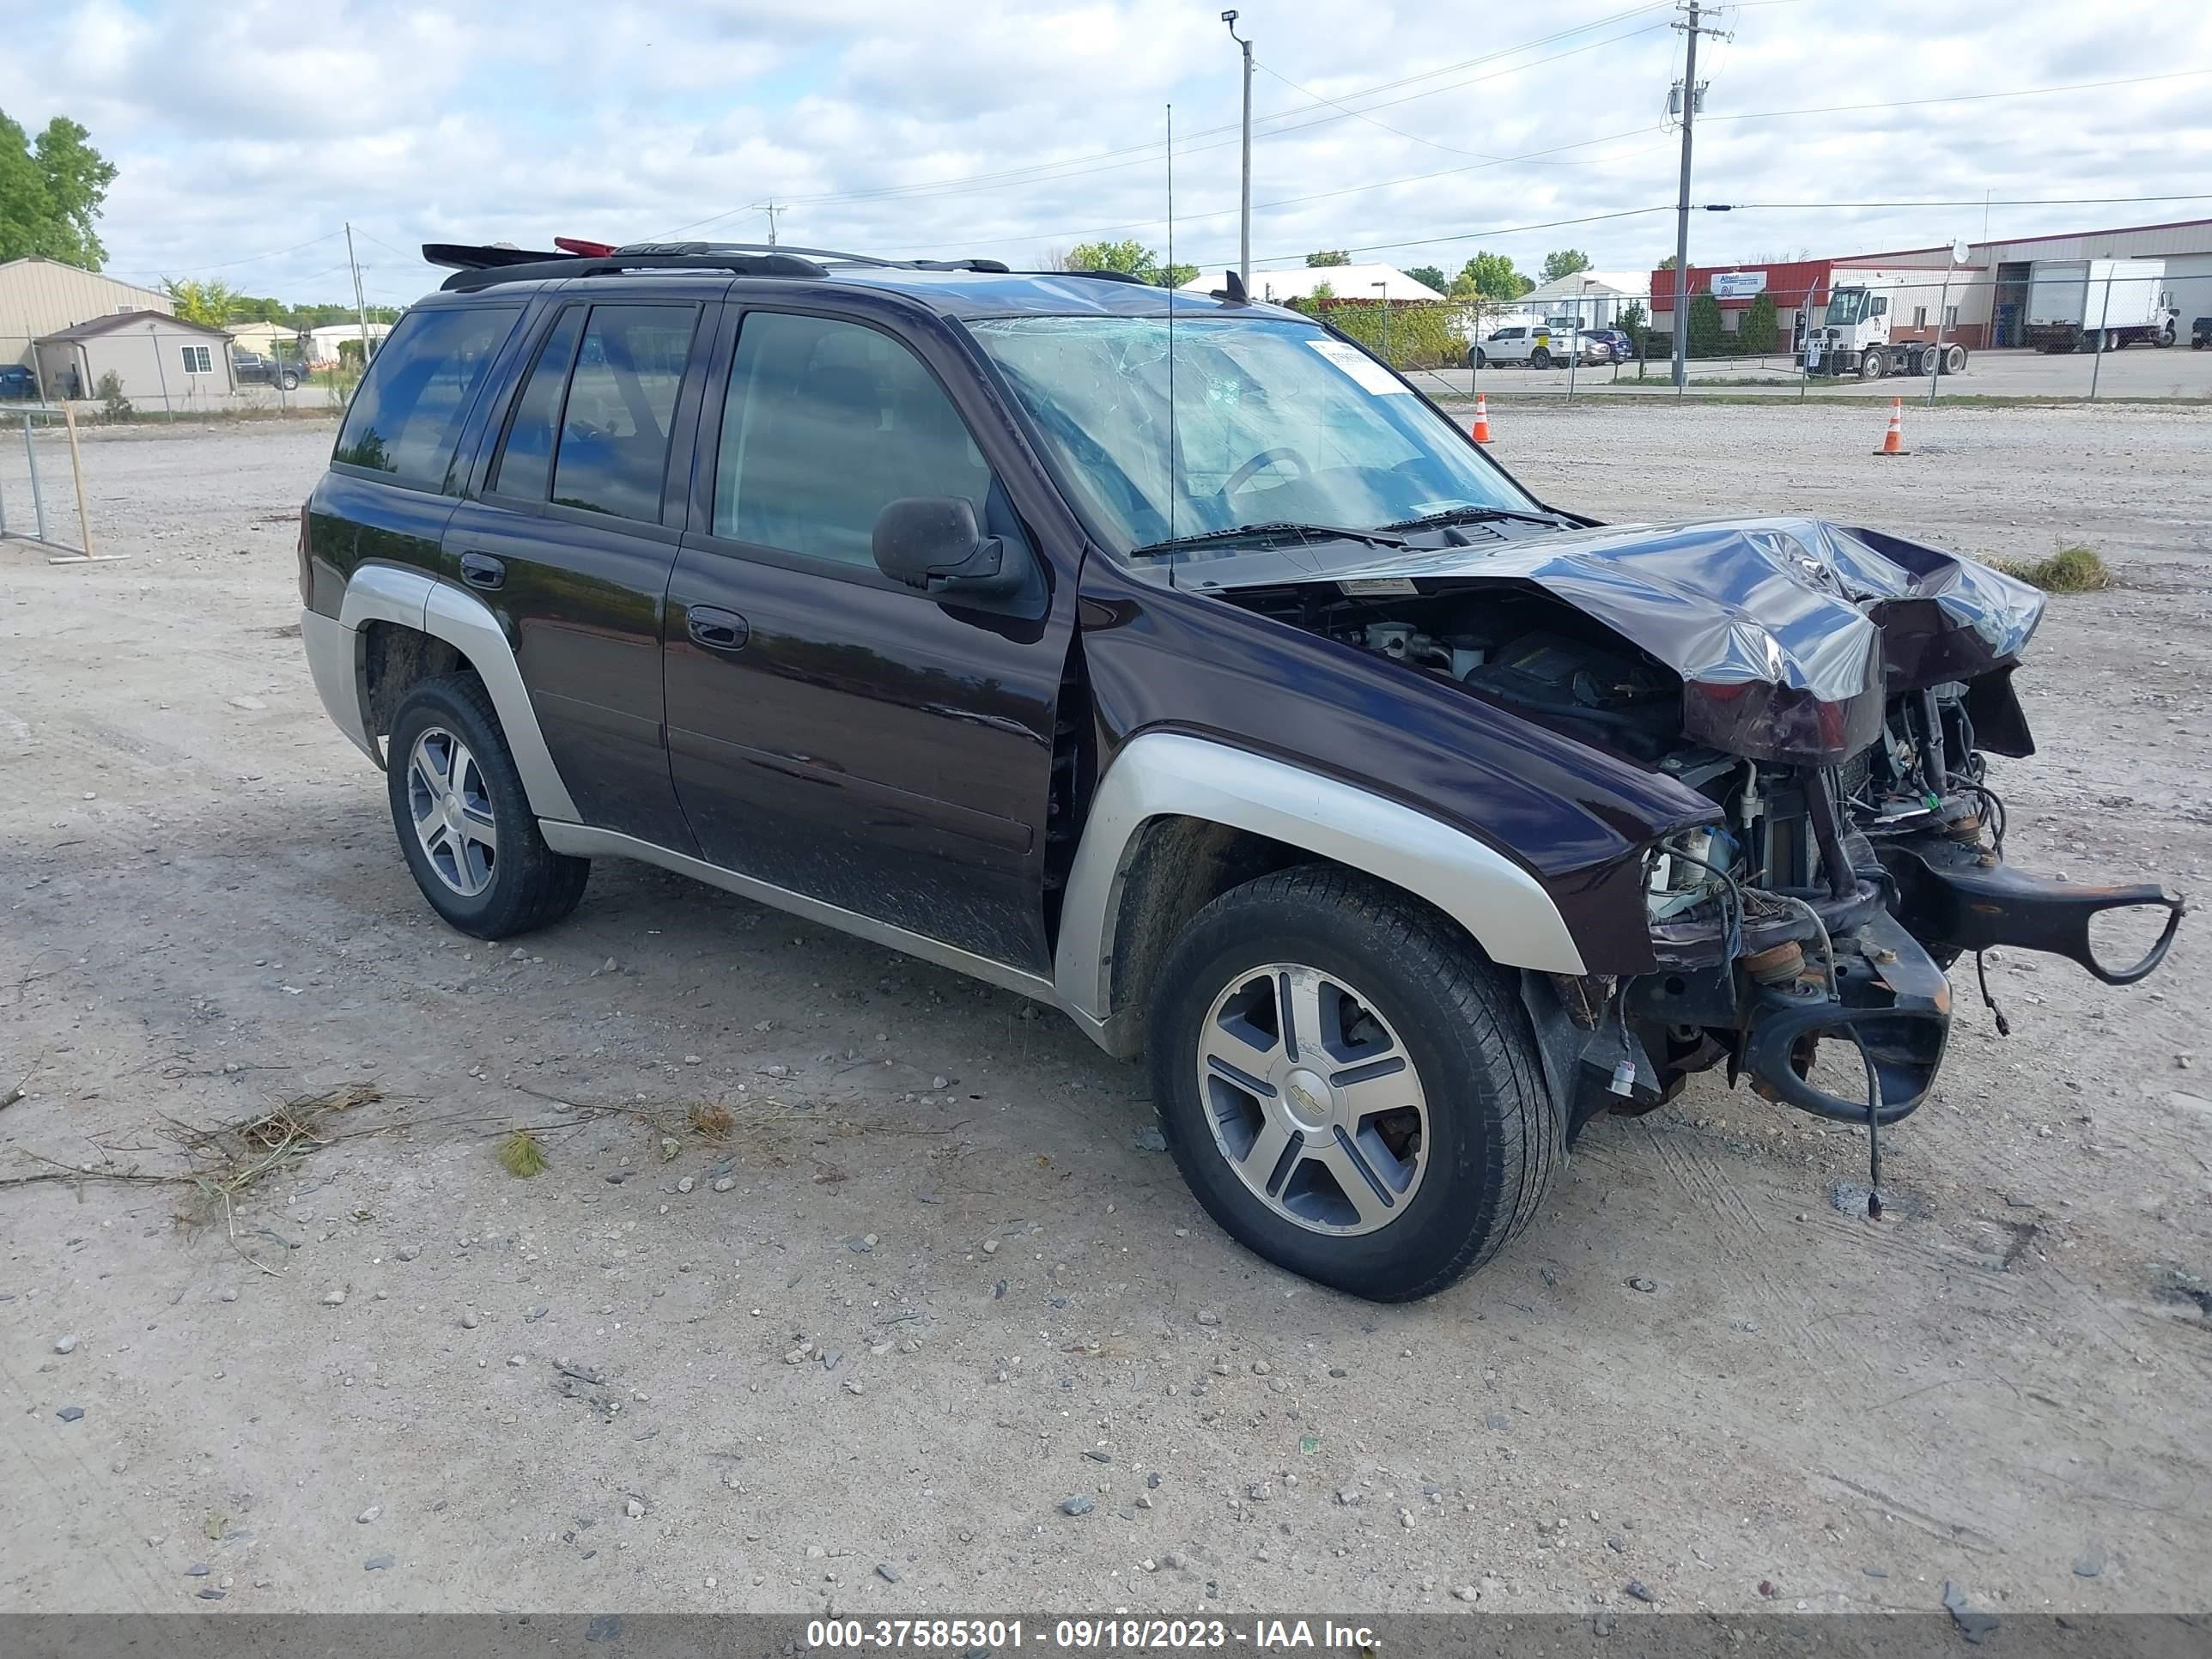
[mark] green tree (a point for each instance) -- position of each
(1429, 276)
(1564, 262)
(1667, 263)
(50, 193)
(1633, 319)
(1756, 333)
(1328, 255)
(1706, 336)
(212, 303)
(1131, 256)
(1490, 276)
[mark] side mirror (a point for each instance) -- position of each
(932, 543)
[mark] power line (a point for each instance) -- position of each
(1362, 115)
(1963, 97)
(1080, 166)
(1315, 195)
(1964, 201)
(227, 264)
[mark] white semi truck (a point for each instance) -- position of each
(1852, 336)
(2069, 301)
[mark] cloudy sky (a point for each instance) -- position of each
(248, 132)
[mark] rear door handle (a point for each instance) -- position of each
(482, 570)
(717, 630)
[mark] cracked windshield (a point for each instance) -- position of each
(1274, 422)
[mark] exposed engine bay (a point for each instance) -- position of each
(1834, 695)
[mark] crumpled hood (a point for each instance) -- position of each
(1790, 635)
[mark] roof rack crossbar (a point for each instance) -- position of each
(1101, 276)
(754, 247)
(557, 267)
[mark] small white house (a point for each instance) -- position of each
(322, 344)
(1343, 282)
(159, 361)
(1598, 297)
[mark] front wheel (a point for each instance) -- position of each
(1350, 1089)
(463, 819)
(1873, 366)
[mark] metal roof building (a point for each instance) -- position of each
(40, 296)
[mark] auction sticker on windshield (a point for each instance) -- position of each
(1370, 374)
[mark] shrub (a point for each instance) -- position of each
(1421, 336)
(114, 405)
(1707, 337)
(1756, 333)
(2070, 570)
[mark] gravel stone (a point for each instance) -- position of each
(377, 1564)
(1079, 1504)
(66, 1344)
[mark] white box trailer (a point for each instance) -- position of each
(2071, 301)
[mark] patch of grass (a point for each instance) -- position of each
(2070, 570)
(712, 1121)
(522, 1155)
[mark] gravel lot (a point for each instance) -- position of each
(933, 1285)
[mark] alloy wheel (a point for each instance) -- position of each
(450, 804)
(1313, 1099)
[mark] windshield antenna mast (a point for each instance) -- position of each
(1175, 458)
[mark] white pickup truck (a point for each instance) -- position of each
(1538, 345)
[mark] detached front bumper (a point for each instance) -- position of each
(1923, 900)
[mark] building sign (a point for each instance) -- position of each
(1738, 284)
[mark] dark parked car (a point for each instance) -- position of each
(17, 382)
(1619, 347)
(1402, 822)
(252, 369)
(2200, 334)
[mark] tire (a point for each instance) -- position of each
(1955, 360)
(1465, 1164)
(1873, 366)
(1539, 358)
(1479, 361)
(2165, 337)
(518, 884)
(289, 382)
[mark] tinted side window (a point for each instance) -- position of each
(613, 449)
(407, 414)
(525, 461)
(827, 423)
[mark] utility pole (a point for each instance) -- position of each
(359, 301)
(771, 209)
(1693, 29)
(1244, 218)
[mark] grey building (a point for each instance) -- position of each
(40, 296)
(160, 361)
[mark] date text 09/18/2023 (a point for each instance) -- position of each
(1097, 1635)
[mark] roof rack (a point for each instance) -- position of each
(476, 266)
(1101, 276)
(560, 266)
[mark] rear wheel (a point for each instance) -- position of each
(464, 820)
(1351, 1089)
(1539, 358)
(1955, 360)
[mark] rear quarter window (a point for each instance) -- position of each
(406, 417)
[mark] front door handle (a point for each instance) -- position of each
(717, 630)
(482, 570)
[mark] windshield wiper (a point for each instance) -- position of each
(1471, 514)
(1376, 537)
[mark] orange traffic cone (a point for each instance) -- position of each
(1893, 441)
(1481, 434)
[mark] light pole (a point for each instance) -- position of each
(1385, 288)
(1244, 201)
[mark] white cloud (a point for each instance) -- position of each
(1003, 129)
